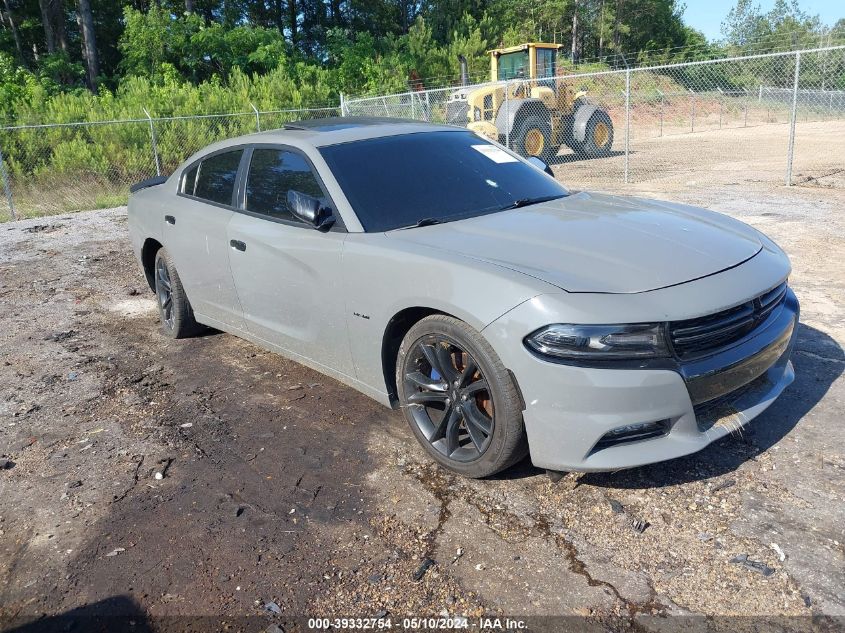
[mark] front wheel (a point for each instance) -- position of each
(533, 137)
(458, 398)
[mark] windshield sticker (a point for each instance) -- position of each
(496, 154)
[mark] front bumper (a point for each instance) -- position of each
(570, 409)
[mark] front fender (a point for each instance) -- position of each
(378, 288)
(582, 117)
(512, 110)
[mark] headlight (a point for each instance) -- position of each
(476, 114)
(595, 342)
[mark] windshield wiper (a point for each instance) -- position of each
(423, 222)
(525, 202)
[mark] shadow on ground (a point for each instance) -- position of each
(117, 613)
(122, 614)
(572, 157)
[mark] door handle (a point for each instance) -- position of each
(170, 219)
(237, 245)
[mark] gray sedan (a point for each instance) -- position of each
(442, 274)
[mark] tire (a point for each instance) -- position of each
(598, 136)
(487, 390)
(177, 316)
(533, 137)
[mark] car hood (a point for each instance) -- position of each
(589, 242)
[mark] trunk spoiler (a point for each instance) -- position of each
(149, 182)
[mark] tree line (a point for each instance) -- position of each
(323, 47)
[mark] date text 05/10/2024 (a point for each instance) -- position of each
(416, 624)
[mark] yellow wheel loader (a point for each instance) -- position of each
(530, 107)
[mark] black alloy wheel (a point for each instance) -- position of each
(177, 316)
(449, 398)
(459, 400)
(164, 292)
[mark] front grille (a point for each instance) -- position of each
(456, 112)
(703, 335)
(725, 410)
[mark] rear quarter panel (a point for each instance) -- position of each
(146, 214)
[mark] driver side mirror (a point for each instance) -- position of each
(539, 164)
(310, 210)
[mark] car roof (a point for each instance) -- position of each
(335, 130)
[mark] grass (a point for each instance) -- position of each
(111, 200)
(47, 196)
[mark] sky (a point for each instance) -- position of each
(707, 15)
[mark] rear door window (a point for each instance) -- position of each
(272, 174)
(215, 181)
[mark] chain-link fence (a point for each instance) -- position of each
(775, 117)
(49, 169)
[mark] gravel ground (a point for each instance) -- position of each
(736, 157)
(281, 488)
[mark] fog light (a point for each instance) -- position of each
(632, 433)
(634, 428)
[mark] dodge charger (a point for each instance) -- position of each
(442, 274)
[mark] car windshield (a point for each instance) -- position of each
(432, 177)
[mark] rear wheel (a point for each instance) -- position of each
(458, 398)
(598, 135)
(533, 137)
(177, 316)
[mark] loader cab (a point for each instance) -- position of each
(526, 61)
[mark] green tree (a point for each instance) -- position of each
(786, 26)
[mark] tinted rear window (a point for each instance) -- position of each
(217, 175)
(396, 181)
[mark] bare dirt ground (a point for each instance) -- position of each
(282, 489)
(733, 157)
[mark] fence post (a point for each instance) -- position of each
(692, 117)
(257, 117)
(627, 120)
(386, 109)
(507, 118)
(662, 100)
(7, 187)
(745, 113)
(342, 105)
(413, 110)
(792, 118)
(154, 142)
(721, 98)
